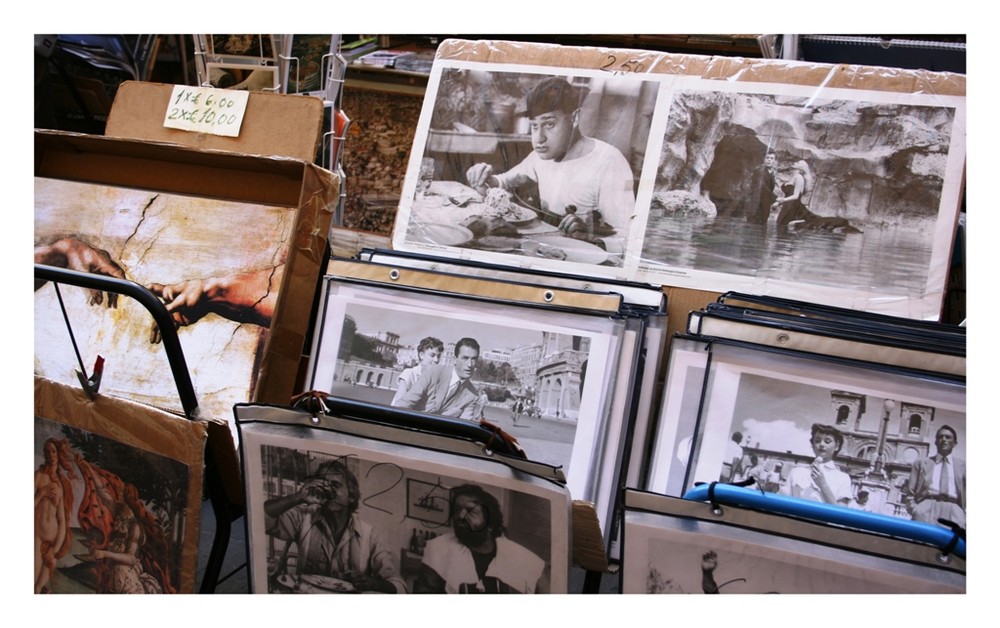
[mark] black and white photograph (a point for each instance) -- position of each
(349, 515)
(241, 76)
(544, 382)
(831, 195)
(678, 415)
(542, 167)
(676, 551)
(885, 442)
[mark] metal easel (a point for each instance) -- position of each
(225, 512)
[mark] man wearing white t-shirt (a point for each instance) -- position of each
(590, 177)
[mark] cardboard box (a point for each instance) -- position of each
(303, 196)
(273, 124)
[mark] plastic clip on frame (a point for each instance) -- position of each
(950, 540)
(224, 512)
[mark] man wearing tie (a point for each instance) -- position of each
(445, 390)
(937, 483)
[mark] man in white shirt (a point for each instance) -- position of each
(477, 556)
(446, 390)
(569, 169)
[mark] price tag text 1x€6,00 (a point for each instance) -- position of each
(206, 110)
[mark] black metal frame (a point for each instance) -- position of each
(225, 512)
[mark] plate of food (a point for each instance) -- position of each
(440, 233)
(324, 584)
(498, 203)
(559, 247)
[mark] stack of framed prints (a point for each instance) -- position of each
(640, 301)
(118, 493)
(340, 505)
(675, 545)
(850, 409)
(554, 365)
(800, 180)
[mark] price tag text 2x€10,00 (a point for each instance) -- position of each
(206, 110)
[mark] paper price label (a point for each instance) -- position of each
(206, 110)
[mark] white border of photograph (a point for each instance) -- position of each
(383, 469)
(655, 348)
(611, 85)
(612, 461)
(861, 281)
(687, 362)
(255, 80)
(772, 399)
(447, 316)
(671, 552)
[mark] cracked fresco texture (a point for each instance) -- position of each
(155, 238)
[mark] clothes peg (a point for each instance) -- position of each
(91, 385)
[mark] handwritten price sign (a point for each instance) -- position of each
(206, 110)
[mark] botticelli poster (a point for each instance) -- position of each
(117, 495)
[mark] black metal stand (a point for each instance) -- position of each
(225, 512)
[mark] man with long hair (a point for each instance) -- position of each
(477, 556)
(320, 520)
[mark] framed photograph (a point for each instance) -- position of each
(677, 421)
(415, 517)
(818, 191)
(848, 434)
(655, 347)
(114, 480)
(548, 378)
(527, 166)
(258, 49)
(187, 250)
(241, 76)
(308, 59)
(672, 545)
(940, 353)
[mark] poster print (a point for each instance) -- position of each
(828, 195)
(670, 553)
(114, 515)
(216, 264)
(414, 519)
(527, 166)
(248, 48)
(540, 378)
(851, 436)
(306, 63)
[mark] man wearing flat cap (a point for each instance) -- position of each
(590, 177)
